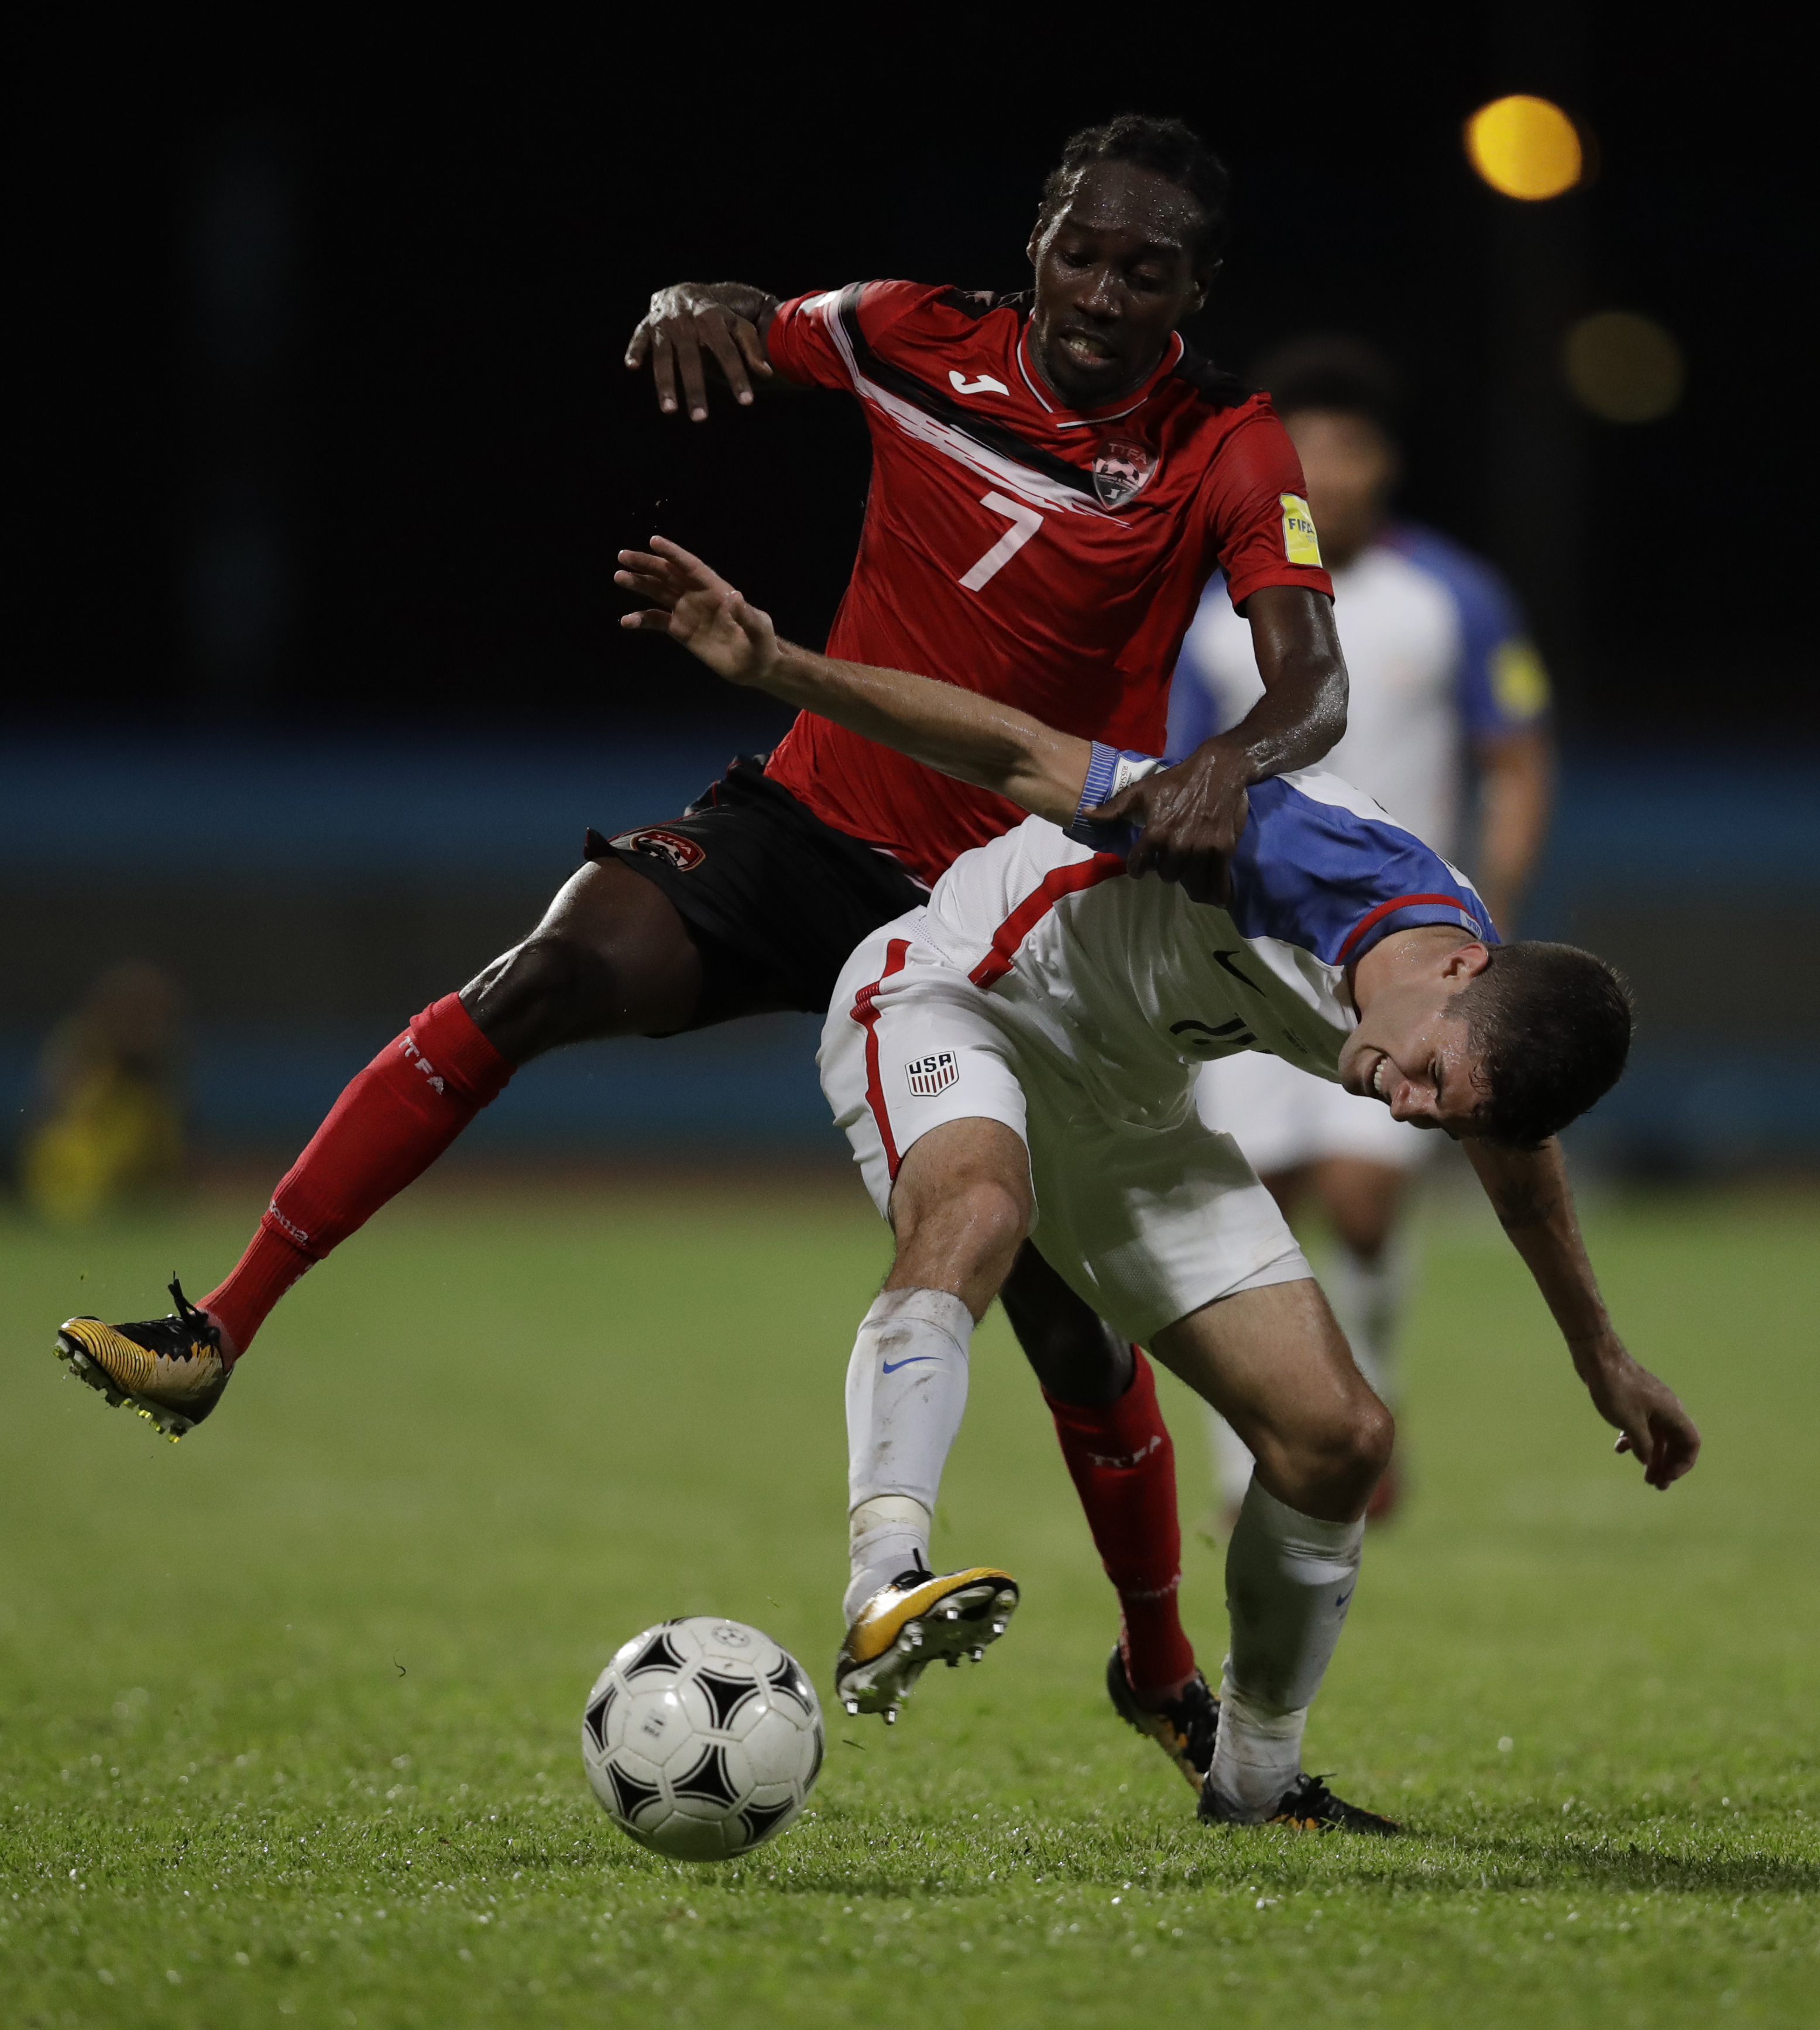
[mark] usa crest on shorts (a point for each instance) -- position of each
(1122, 470)
(933, 1074)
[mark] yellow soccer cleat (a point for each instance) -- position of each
(918, 1620)
(171, 1369)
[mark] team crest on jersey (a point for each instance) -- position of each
(661, 843)
(1121, 471)
(933, 1074)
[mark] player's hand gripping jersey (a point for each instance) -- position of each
(1041, 988)
(1045, 556)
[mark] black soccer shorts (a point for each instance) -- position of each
(774, 899)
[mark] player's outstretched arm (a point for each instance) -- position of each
(993, 745)
(726, 321)
(1193, 815)
(1530, 1194)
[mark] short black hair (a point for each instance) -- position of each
(1330, 371)
(1168, 148)
(1551, 1026)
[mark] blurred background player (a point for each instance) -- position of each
(1449, 698)
(110, 1129)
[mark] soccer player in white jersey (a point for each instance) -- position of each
(1018, 1057)
(1445, 688)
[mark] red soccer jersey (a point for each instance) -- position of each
(1045, 557)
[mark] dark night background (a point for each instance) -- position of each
(324, 447)
(326, 426)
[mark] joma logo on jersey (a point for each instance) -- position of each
(681, 852)
(1121, 470)
(933, 1074)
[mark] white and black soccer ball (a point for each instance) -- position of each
(702, 1737)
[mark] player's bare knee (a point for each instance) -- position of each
(1373, 1437)
(989, 1215)
(554, 988)
(1328, 1465)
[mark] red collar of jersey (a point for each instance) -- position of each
(1066, 418)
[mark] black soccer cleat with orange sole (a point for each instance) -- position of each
(1307, 1806)
(1183, 1727)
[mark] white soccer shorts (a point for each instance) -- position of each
(1146, 1224)
(1282, 1117)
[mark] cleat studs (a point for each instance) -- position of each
(998, 1628)
(890, 1715)
(980, 1656)
(852, 1706)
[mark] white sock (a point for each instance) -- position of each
(1290, 1579)
(906, 1393)
(1367, 1298)
(886, 1536)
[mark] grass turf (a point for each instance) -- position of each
(290, 1712)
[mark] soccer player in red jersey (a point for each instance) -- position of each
(1056, 476)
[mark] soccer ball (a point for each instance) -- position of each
(702, 1738)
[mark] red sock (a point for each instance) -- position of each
(388, 1126)
(1123, 1466)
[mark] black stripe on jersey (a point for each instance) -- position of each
(980, 303)
(1214, 386)
(992, 436)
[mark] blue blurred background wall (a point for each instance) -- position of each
(335, 888)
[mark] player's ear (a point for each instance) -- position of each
(1466, 962)
(1204, 280)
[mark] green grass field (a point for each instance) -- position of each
(290, 1710)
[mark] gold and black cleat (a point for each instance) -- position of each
(1307, 1806)
(171, 1369)
(918, 1620)
(1184, 1728)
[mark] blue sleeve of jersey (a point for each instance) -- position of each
(1324, 878)
(1504, 687)
(1110, 770)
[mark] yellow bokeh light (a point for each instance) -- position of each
(1624, 368)
(1525, 147)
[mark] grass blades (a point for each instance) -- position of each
(288, 1713)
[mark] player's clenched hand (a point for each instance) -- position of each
(695, 606)
(1647, 1413)
(681, 321)
(1191, 818)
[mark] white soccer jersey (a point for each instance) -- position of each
(1136, 985)
(1435, 650)
(1042, 988)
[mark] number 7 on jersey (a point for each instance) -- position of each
(1025, 521)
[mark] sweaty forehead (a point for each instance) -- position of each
(1121, 198)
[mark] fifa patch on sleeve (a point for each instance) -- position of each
(933, 1074)
(1519, 682)
(1300, 544)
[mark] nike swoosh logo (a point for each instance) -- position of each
(910, 1360)
(1343, 1598)
(1223, 960)
(961, 385)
